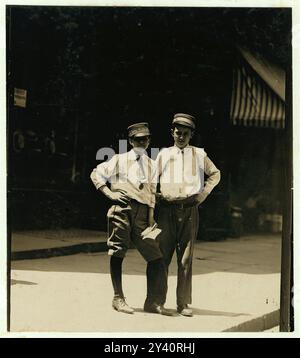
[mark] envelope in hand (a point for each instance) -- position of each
(151, 232)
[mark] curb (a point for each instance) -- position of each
(257, 324)
(59, 251)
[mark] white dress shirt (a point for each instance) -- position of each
(181, 172)
(132, 172)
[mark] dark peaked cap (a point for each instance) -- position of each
(138, 130)
(185, 120)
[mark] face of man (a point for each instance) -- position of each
(140, 142)
(182, 136)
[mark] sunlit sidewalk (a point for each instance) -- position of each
(236, 287)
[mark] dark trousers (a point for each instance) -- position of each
(125, 224)
(179, 231)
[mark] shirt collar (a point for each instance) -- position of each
(133, 153)
(176, 150)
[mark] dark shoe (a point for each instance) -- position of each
(120, 305)
(155, 308)
(185, 311)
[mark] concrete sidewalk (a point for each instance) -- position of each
(236, 288)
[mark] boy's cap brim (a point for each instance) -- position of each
(142, 134)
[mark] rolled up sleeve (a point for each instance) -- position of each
(104, 172)
(213, 173)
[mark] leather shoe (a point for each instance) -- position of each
(155, 308)
(184, 310)
(120, 305)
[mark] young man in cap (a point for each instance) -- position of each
(181, 171)
(132, 190)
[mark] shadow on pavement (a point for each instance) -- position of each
(202, 312)
(198, 312)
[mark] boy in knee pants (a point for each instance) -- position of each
(132, 192)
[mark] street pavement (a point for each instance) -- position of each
(236, 287)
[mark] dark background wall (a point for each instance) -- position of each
(90, 72)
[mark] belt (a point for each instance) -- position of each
(131, 202)
(179, 204)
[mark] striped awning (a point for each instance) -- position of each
(253, 102)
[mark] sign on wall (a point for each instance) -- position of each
(20, 97)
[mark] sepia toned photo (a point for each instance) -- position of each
(149, 169)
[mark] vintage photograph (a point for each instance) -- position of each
(149, 169)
